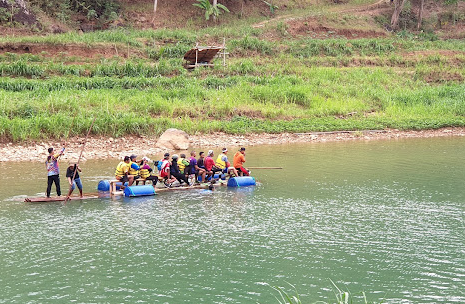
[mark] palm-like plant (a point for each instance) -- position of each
(211, 9)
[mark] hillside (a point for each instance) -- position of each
(307, 67)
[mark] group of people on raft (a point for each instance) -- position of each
(185, 171)
(130, 170)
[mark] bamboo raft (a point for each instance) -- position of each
(43, 199)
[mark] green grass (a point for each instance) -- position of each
(269, 85)
(319, 99)
(341, 296)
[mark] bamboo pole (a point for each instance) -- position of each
(79, 159)
(267, 168)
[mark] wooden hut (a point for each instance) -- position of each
(204, 55)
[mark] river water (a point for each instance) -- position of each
(382, 217)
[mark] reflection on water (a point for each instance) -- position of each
(383, 217)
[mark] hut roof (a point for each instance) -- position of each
(205, 53)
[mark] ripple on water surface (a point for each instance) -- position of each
(396, 234)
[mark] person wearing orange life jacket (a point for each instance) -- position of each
(223, 163)
(238, 161)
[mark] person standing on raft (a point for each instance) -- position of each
(238, 162)
(73, 167)
(53, 172)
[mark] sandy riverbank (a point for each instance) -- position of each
(101, 147)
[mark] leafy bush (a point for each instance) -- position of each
(62, 9)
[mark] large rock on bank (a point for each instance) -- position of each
(174, 139)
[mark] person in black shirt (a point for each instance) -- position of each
(77, 180)
(174, 169)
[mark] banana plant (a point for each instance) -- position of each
(272, 7)
(211, 9)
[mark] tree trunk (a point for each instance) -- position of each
(215, 2)
(398, 6)
(155, 6)
(420, 13)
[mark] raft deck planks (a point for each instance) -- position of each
(43, 199)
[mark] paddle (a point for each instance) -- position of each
(79, 159)
(255, 168)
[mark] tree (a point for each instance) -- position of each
(398, 6)
(420, 13)
(211, 9)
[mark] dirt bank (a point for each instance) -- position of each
(101, 148)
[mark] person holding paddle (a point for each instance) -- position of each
(72, 174)
(53, 172)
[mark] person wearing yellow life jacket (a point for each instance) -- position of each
(183, 163)
(134, 167)
(146, 172)
(122, 171)
(223, 163)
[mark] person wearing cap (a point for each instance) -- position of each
(122, 171)
(223, 163)
(53, 172)
(72, 174)
(146, 172)
(174, 169)
(210, 164)
(238, 162)
(134, 167)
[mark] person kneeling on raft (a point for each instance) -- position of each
(72, 174)
(122, 172)
(146, 172)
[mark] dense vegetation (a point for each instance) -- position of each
(289, 84)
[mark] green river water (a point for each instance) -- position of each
(382, 217)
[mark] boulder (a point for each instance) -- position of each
(21, 12)
(174, 139)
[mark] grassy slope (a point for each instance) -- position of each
(283, 83)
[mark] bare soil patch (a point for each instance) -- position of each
(66, 50)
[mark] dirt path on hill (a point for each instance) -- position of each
(116, 148)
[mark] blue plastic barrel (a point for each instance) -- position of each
(217, 176)
(103, 185)
(139, 191)
(119, 184)
(241, 181)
